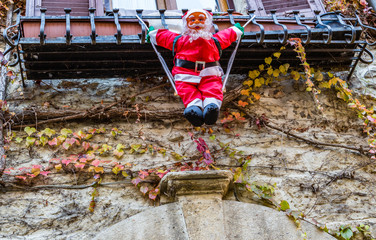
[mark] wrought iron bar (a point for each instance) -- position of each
(308, 35)
(282, 39)
(364, 27)
(356, 61)
(118, 35)
(143, 30)
(231, 17)
(328, 35)
(163, 18)
(68, 36)
(93, 35)
(260, 36)
(350, 37)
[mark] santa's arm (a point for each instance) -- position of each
(163, 38)
(228, 36)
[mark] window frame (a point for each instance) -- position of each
(33, 7)
(308, 12)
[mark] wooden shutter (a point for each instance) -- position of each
(56, 7)
(283, 7)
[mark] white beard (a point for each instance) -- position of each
(194, 35)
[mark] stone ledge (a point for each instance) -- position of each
(176, 184)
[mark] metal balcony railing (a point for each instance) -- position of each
(331, 40)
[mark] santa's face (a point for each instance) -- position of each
(196, 21)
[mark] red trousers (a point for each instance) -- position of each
(208, 90)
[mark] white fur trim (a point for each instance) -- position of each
(212, 71)
(153, 36)
(187, 78)
(239, 33)
(196, 102)
(217, 102)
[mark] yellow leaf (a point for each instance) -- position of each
(124, 173)
(244, 92)
(282, 48)
(248, 83)
(276, 72)
(268, 80)
(268, 60)
(250, 100)
(333, 81)
(261, 67)
(58, 167)
(254, 74)
(98, 169)
(256, 95)
(319, 76)
(257, 83)
(324, 85)
(286, 65)
(295, 75)
(330, 74)
(282, 69)
(270, 71)
(277, 54)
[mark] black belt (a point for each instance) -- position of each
(197, 66)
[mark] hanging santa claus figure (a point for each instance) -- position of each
(197, 72)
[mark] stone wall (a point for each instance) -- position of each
(326, 183)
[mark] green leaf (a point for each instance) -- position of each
(43, 140)
(135, 147)
(212, 137)
(18, 140)
(30, 130)
(177, 156)
(30, 141)
(49, 132)
(65, 132)
(284, 205)
(347, 233)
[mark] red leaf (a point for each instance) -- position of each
(136, 180)
(45, 173)
(143, 174)
(79, 165)
(144, 189)
(86, 145)
(66, 161)
(53, 142)
(96, 163)
(21, 177)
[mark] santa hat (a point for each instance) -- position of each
(208, 14)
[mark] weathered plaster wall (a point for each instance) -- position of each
(320, 181)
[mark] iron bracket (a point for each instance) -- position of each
(282, 38)
(68, 36)
(308, 35)
(93, 35)
(118, 35)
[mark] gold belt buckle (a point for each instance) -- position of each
(197, 64)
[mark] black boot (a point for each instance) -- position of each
(211, 112)
(194, 115)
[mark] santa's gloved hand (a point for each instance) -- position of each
(151, 28)
(240, 28)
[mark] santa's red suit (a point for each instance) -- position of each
(197, 88)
